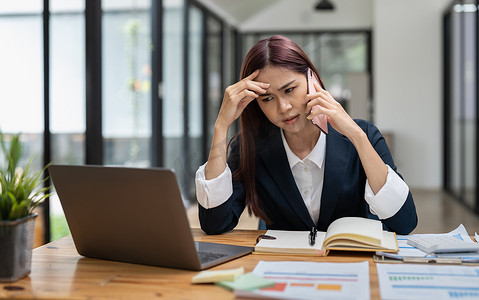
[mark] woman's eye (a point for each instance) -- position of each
(289, 90)
(267, 99)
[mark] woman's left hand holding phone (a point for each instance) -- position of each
(236, 98)
(374, 167)
(335, 113)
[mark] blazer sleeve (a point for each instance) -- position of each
(225, 217)
(405, 220)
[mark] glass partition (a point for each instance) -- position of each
(456, 110)
(460, 105)
(470, 105)
(195, 93)
(21, 76)
(126, 82)
(67, 95)
(126, 71)
(213, 67)
(172, 118)
(21, 83)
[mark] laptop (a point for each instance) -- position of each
(133, 215)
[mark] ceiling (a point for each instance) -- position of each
(237, 11)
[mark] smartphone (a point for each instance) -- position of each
(319, 120)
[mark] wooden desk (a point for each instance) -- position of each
(58, 271)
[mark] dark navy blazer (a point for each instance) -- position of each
(342, 195)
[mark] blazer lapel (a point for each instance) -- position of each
(336, 164)
(273, 155)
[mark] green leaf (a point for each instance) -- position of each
(20, 192)
(19, 210)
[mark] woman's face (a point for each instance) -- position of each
(284, 102)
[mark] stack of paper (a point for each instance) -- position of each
(408, 253)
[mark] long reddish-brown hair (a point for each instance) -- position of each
(277, 51)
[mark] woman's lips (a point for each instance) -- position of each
(291, 120)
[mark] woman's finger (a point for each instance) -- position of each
(247, 95)
(250, 90)
(325, 95)
(252, 75)
(319, 101)
(318, 110)
(259, 87)
(256, 86)
(318, 87)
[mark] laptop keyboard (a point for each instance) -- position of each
(209, 256)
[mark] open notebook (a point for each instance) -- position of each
(348, 233)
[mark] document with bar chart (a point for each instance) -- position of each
(312, 280)
(417, 281)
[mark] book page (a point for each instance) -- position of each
(290, 242)
(388, 244)
(389, 241)
(364, 230)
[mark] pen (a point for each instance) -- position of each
(312, 236)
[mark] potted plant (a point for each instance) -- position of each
(20, 192)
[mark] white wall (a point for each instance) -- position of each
(407, 84)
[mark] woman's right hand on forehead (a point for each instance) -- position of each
(237, 97)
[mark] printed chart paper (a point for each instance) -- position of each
(312, 280)
(416, 281)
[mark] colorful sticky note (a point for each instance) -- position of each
(218, 275)
(247, 281)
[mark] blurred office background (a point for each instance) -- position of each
(139, 83)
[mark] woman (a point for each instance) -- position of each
(283, 167)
